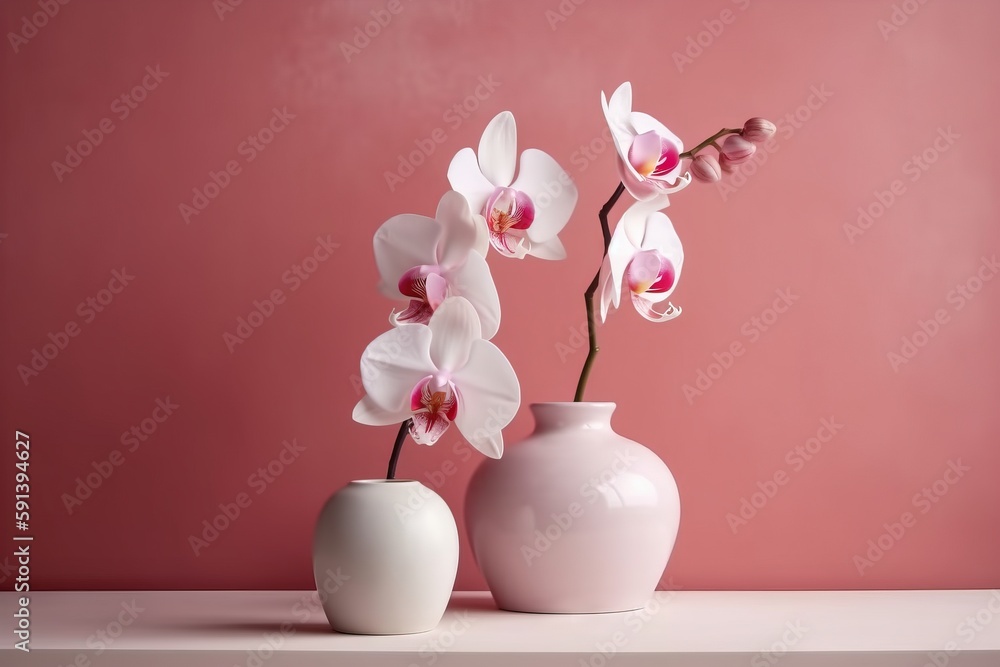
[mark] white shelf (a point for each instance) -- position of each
(688, 628)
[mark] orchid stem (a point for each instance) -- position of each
(708, 142)
(592, 289)
(589, 295)
(394, 459)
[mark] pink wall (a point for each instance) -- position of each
(884, 100)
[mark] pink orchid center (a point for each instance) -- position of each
(427, 288)
(652, 155)
(434, 403)
(508, 213)
(650, 271)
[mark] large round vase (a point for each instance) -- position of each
(574, 519)
(385, 556)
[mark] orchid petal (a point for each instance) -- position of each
(437, 290)
(633, 222)
(682, 182)
(620, 253)
(498, 149)
(459, 229)
(657, 297)
(625, 241)
(510, 244)
(426, 288)
(645, 308)
(646, 125)
(644, 152)
(401, 243)
(434, 407)
(617, 113)
(417, 312)
(551, 249)
(643, 122)
(539, 177)
(489, 396)
(508, 209)
(455, 326)
(661, 200)
(659, 234)
(427, 428)
(606, 288)
(641, 189)
(521, 249)
(481, 244)
(435, 393)
(474, 281)
(643, 271)
(621, 100)
(641, 142)
(393, 363)
(466, 177)
(369, 413)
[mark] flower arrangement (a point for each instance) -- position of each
(437, 366)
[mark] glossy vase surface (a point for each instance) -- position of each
(575, 518)
(385, 556)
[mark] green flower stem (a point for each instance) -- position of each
(708, 142)
(589, 295)
(394, 459)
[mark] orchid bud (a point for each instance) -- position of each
(726, 164)
(758, 130)
(706, 169)
(737, 149)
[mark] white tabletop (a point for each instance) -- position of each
(689, 628)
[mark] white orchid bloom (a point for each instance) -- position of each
(429, 259)
(523, 216)
(649, 162)
(646, 255)
(438, 374)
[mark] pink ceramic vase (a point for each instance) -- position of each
(574, 519)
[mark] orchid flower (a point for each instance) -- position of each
(522, 216)
(649, 161)
(438, 374)
(429, 259)
(646, 254)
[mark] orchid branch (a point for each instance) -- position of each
(591, 290)
(403, 428)
(708, 142)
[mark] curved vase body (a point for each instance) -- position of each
(575, 519)
(385, 555)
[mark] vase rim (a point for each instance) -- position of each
(572, 414)
(375, 482)
(577, 403)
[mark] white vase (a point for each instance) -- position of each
(575, 518)
(385, 556)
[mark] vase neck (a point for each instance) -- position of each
(572, 416)
(386, 487)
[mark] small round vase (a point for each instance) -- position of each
(574, 519)
(385, 556)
